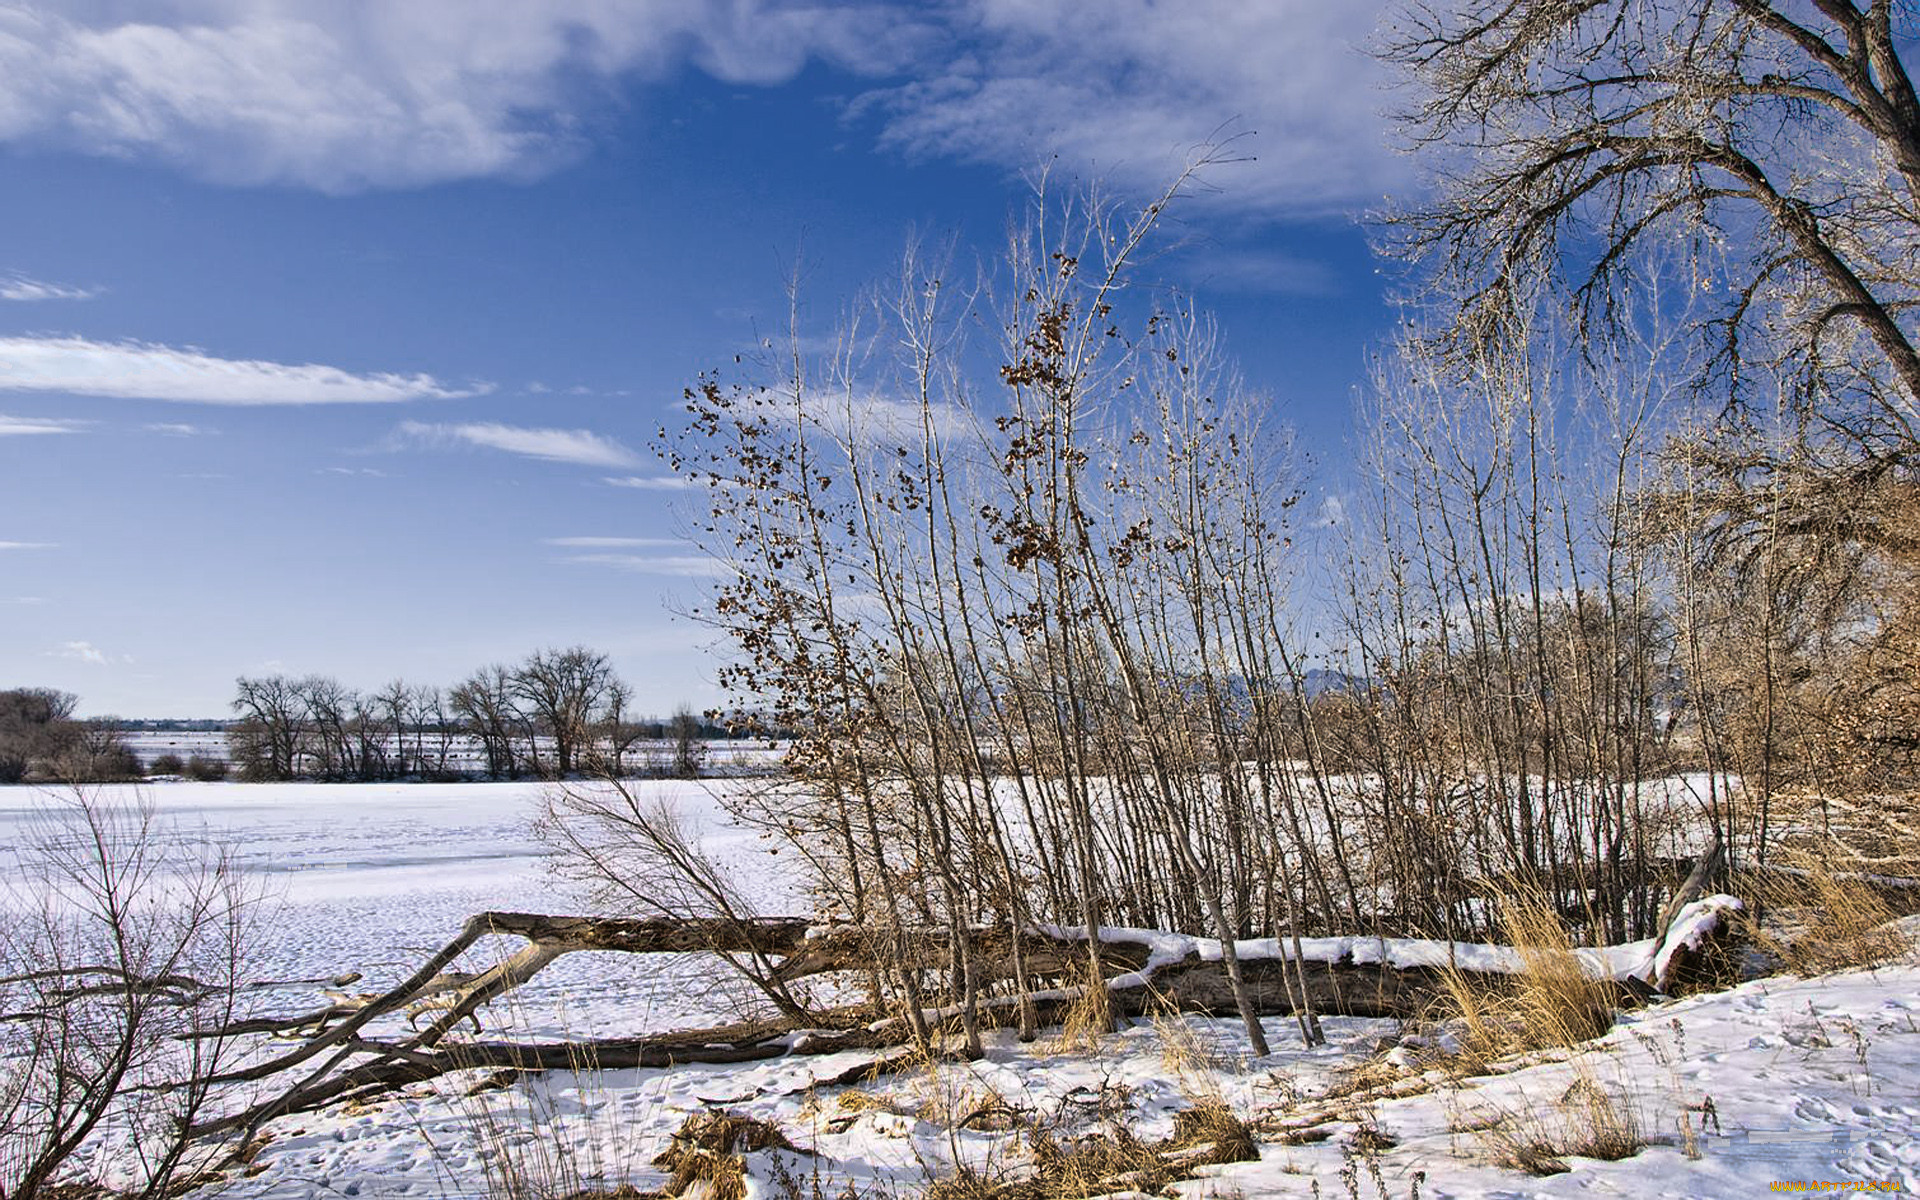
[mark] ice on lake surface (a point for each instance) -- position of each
(374, 878)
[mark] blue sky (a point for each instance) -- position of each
(332, 335)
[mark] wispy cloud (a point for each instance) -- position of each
(396, 94)
(615, 543)
(19, 287)
(687, 565)
(87, 652)
(412, 92)
(1128, 87)
(177, 429)
(650, 483)
(1256, 271)
(580, 446)
(28, 545)
(144, 371)
(366, 472)
(32, 426)
(23, 599)
(867, 415)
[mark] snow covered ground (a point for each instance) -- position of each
(1780, 1080)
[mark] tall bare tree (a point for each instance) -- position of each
(566, 692)
(1770, 147)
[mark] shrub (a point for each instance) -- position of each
(206, 770)
(166, 764)
(1587, 1121)
(119, 977)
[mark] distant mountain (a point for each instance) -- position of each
(1317, 682)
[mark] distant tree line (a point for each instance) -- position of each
(555, 714)
(42, 742)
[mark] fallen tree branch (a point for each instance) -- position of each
(1151, 972)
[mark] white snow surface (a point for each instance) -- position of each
(1812, 1081)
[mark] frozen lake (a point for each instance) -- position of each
(375, 877)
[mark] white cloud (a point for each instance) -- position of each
(19, 287)
(614, 543)
(550, 445)
(368, 472)
(34, 426)
(23, 599)
(866, 416)
(141, 370)
(177, 429)
(687, 565)
(27, 545)
(395, 94)
(405, 93)
(650, 483)
(87, 652)
(1128, 87)
(1333, 512)
(1255, 270)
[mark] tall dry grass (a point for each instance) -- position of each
(1552, 1003)
(1813, 918)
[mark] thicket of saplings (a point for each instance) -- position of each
(1044, 617)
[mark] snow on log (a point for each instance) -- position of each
(1150, 971)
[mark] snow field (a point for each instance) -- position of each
(1809, 1080)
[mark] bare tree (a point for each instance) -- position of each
(271, 738)
(564, 693)
(122, 961)
(485, 705)
(343, 738)
(1775, 145)
(689, 751)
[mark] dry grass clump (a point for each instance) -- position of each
(1215, 1131)
(1552, 1003)
(1816, 920)
(527, 1155)
(1587, 1121)
(704, 1155)
(1088, 1020)
(1113, 1160)
(1188, 1058)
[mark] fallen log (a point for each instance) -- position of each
(1150, 972)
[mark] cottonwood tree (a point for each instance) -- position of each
(485, 705)
(271, 737)
(1772, 147)
(565, 693)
